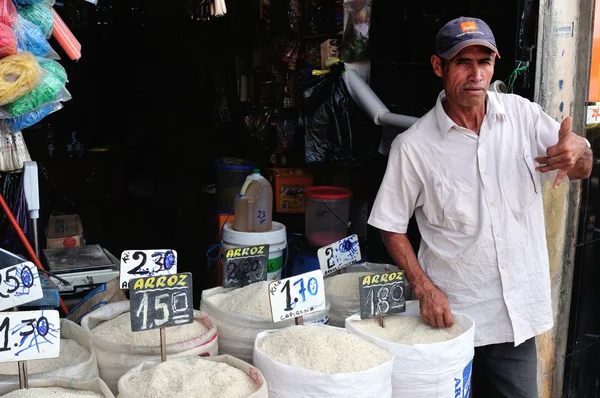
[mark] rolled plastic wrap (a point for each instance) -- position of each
(65, 37)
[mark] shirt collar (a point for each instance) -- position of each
(494, 112)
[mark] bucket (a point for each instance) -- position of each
(276, 238)
(231, 174)
(326, 211)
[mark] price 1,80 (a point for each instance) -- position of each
(381, 298)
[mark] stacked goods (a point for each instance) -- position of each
(61, 387)
(429, 362)
(118, 349)
(322, 361)
(342, 292)
(242, 313)
(76, 360)
(216, 377)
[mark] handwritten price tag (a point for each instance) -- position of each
(297, 296)
(339, 254)
(141, 263)
(382, 294)
(19, 284)
(245, 265)
(26, 335)
(161, 301)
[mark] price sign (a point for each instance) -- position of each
(141, 263)
(26, 335)
(297, 296)
(339, 254)
(161, 301)
(382, 294)
(19, 284)
(245, 265)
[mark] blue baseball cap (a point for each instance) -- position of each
(463, 32)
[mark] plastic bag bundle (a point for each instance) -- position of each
(14, 124)
(31, 38)
(356, 34)
(25, 2)
(50, 90)
(8, 41)
(8, 12)
(54, 67)
(19, 74)
(40, 14)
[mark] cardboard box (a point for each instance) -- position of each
(288, 185)
(64, 231)
(330, 48)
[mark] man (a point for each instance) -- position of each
(470, 172)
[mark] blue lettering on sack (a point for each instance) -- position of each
(457, 388)
(467, 379)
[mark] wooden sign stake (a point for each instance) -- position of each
(380, 319)
(163, 344)
(23, 381)
(299, 320)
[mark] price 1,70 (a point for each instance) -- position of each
(297, 296)
(29, 335)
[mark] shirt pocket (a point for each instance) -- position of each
(521, 185)
(452, 203)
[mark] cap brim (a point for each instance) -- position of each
(467, 43)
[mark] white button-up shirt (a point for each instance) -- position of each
(478, 203)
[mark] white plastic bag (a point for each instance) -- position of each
(237, 332)
(343, 307)
(94, 385)
(251, 371)
(285, 381)
(429, 370)
(85, 370)
(114, 360)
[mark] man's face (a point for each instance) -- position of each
(466, 76)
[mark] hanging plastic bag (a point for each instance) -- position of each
(326, 119)
(13, 151)
(8, 12)
(19, 74)
(40, 14)
(14, 124)
(31, 38)
(8, 41)
(356, 34)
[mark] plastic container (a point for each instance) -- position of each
(276, 238)
(326, 212)
(254, 207)
(231, 174)
(288, 185)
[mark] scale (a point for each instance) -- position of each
(82, 268)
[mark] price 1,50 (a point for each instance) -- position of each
(27, 335)
(19, 284)
(297, 296)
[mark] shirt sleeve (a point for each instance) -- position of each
(398, 195)
(546, 134)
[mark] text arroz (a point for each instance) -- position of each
(297, 296)
(161, 301)
(142, 263)
(245, 265)
(27, 335)
(19, 284)
(339, 254)
(381, 294)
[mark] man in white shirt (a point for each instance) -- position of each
(470, 172)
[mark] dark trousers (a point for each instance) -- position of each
(503, 370)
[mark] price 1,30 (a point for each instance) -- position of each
(297, 296)
(382, 294)
(161, 301)
(26, 335)
(19, 284)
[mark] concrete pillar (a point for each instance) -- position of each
(562, 75)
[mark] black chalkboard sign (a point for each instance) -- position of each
(161, 301)
(245, 265)
(382, 294)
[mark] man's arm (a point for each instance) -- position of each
(433, 303)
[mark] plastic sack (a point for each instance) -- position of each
(31, 38)
(19, 75)
(13, 151)
(126, 392)
(285, 381)
(19, 123)
(8, 12)
(326, 118)
(114, 360)
(429, 370)
(85, 370)
(8, 41)
(343, 307)
(237, 332)
(40, 14)
(356, 35)
(94, 385)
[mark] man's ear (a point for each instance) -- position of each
(436, 63)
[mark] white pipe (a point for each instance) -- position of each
(395, 119)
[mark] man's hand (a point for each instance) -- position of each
(564, 155)
(434, 306)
